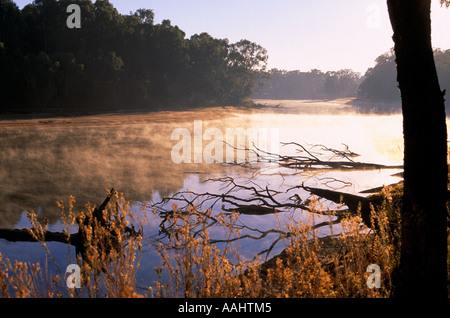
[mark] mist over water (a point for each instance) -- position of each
(46, 160)
(43, 161)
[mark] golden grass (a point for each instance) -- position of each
(306, 268)
(192, 267)
(109, 262)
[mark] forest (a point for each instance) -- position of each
(380, 82)
(315, 84)
(377, 85)
(115, 61)
(126, 61)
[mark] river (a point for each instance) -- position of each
(145, 156)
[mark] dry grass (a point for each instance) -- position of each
(192, 267)
(308, 267)
(109, 262)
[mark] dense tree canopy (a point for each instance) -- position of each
(380, 81)
(115, 61)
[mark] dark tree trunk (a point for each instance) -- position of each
(422, 271)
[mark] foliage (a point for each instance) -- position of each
(309, 266)
(193, 266)
(380, 82)
(115, 61)
(108, 263)
(279, 84)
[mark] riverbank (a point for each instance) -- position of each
(376, 107)
(123, 116)
(283, 106)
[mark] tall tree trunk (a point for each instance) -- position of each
(422, 271)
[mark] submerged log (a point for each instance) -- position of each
(354, 202)
(364, 205)
(251, 209)
(26, 235)
(75, 239)
(379, 189)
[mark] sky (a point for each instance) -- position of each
(328, 35)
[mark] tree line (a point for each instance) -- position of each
(315, 84)
(380, 81)
(115, 61)
(378, 84)
(118, 61)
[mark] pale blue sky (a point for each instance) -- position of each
(298, 34)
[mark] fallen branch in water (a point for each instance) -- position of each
(310, 159)
(27, 235)
(249, 198)
(35, 235)
(240, 199)
(88, 226)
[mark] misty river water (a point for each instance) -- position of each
(47, 159)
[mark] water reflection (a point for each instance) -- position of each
(43, 161)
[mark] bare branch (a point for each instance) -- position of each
(250, 198)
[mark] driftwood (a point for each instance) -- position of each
(355, 203)
(249, 198)
(26, 235)
(75, 239)
(245, 199)
(316, 157)
(251, 209)
(79, 239)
